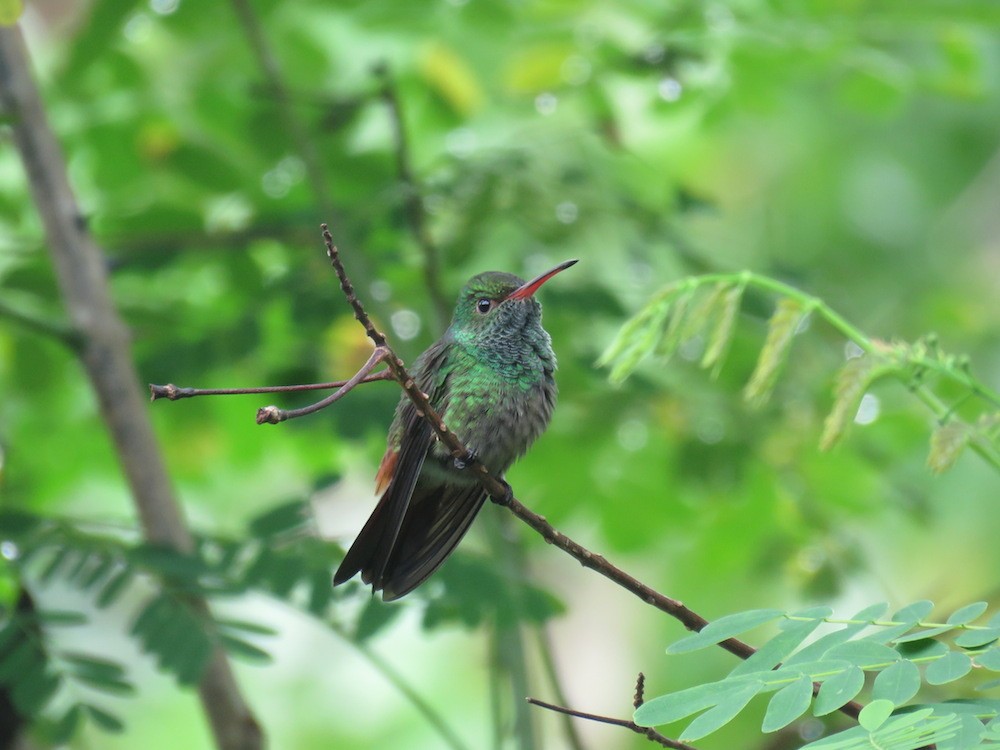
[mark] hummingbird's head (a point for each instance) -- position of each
(495, 304)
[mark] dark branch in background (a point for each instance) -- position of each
(413, 201)
(59, 331)
(104, 351)
(648, 732)
(547, 654)
(304, 145)
(271, 70)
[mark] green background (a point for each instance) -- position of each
(849, 148)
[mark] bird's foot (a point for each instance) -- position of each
(506, 497)
(464, 462)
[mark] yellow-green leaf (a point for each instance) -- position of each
(947, 443)
(453, 79)
(722, 332)
(780, 330)
(852, 381)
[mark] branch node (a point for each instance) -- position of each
(168, 391)
(271, 415)
(640, 689)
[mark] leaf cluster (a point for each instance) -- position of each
(903, 654)
(705, 309)
(280, 556)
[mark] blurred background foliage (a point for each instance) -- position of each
(848, 148)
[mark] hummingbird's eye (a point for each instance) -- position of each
(484, 305)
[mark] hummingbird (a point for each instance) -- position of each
(490, 377)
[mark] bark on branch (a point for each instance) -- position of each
(105, 353)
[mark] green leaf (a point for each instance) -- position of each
(96, 573)
(91, 665)
(920, 635)
(904, 731)
(968, 613)
(17, 523)
(245, 625)
(65, 728)
(875, 714)
(865, 654)
(374, 617)
(922, 650)
(952, 666)
(59, 559)
(724, 628)
(852, 382)
(19, 660)
(914, 613)
(838, 690)
(897, 683)
(977, 638)
(320, 593)
(245, 649)
(60, 617)
(947, 443)
(989, 659)
(106, 721)
(781, 329)
(729, 705)
(788, 704)
(781, 646)
(168, 562)
(33, 691)
(970, 732)
(287, 517)
(114, 587)
(668, 708)
(722, 332)
(825, 642)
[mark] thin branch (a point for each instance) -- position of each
(502, 494)
(413, 202)
(173, 392)
(274, 415)
(648, 732)
(271, 69)
(59, 331)
(406, 689)
(106, 357)
(549, 665)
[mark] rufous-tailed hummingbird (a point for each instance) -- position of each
(490, 377)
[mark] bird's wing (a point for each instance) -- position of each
(433, 526)
(410, 440)
(370, 552)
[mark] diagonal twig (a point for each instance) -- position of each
(648, 732)
(413, 202)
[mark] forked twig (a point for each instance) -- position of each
(274, 415)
